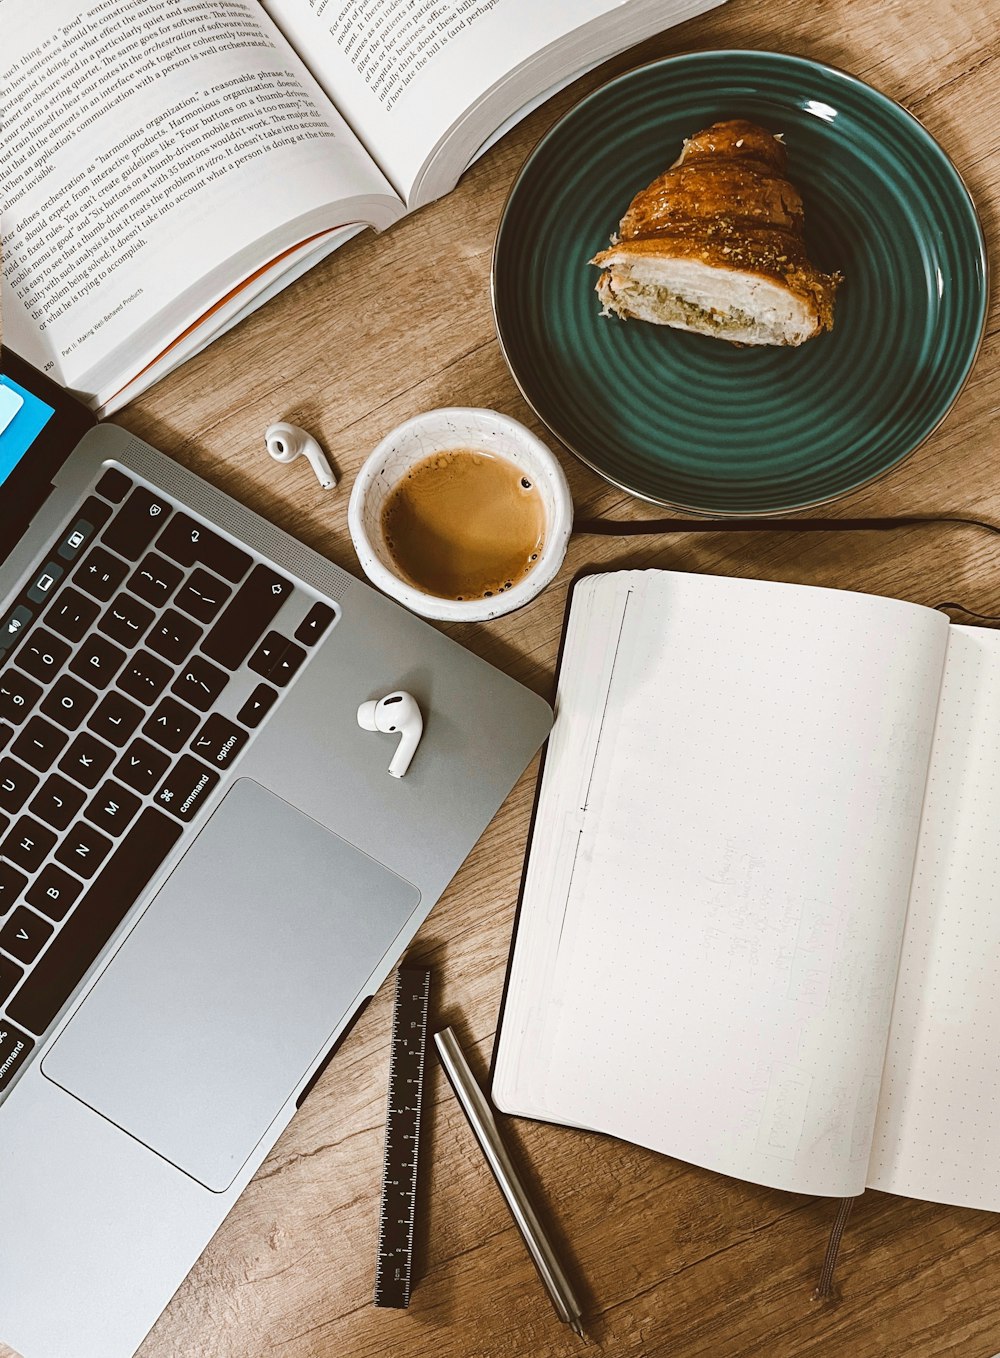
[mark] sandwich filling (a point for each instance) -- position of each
(744, 308)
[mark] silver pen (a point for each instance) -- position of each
(477, 1109)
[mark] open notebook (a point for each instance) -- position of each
(760, 923)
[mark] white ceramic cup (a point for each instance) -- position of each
(436, 431)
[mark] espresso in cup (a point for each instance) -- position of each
(464, 523)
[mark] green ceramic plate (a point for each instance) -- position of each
(689, 421)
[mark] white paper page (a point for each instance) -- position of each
(241, 305)
(597, 614)
(937, 1135)
(724, 977)
(403, 72)
(144, 148)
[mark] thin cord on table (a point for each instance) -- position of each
(653, 527)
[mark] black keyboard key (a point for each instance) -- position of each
(113, 807)
(105, 904)
(57, 802)
(114, 485)
(246, 617)
(6, 734)
(144, 677)
(43, 655)
(14, 1048)
(68, 702)
(53, 892)
(287, 664)
(16, 784)
(72, 614)
(10, 974)
(39, 743)
(185, 788)
(202, 596)
(12, 627)
(28, 844)
(267, 653)
(200, 683)
(18, 695)
(126, 620)
(93, 515)
(170, 725)
(136, 524)
(12, 883)
(192, 543)
(84, 849)
(87, 759)
(155, 579)
(173, 636)
(101, 574)
(41, 589)
(219, 741)
(142, 766)
(314, 624)
(257, 706)
(277, 658)
(98, 661)
(25, 934)
(116, 718)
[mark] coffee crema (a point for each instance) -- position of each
(464, 524)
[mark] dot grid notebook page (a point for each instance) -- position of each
(938, 1129)
(709, 938)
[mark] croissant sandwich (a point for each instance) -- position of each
(716, 245)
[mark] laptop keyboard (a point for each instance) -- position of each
(117, 719)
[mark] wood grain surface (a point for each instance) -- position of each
(671, 1260)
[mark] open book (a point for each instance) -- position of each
(167, 165)
(760, 920)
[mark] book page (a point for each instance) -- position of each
(718, 970)
(243, 302)
(404, 72)
(154, 153)
(938, 1131)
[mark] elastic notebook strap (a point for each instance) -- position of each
(652, 527)
(824, 1288)
(641, 527)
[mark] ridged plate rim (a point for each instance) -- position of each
(808, 64)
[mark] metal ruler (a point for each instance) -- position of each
(394, 1272)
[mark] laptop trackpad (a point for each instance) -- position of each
(231, 984)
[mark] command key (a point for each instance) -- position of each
(14, 1047)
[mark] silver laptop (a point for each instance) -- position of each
(205, 869)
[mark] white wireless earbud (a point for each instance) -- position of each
(286, 442)
(395, 712)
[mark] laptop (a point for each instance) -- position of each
(205, 869)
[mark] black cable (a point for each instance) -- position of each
(985, 617)
(641, 527)
(652, 527)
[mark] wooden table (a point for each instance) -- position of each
(671, 1260)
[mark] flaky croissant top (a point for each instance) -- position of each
(726, 203)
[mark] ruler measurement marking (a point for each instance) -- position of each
(397, 1214)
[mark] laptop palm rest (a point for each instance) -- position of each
(231, 984)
